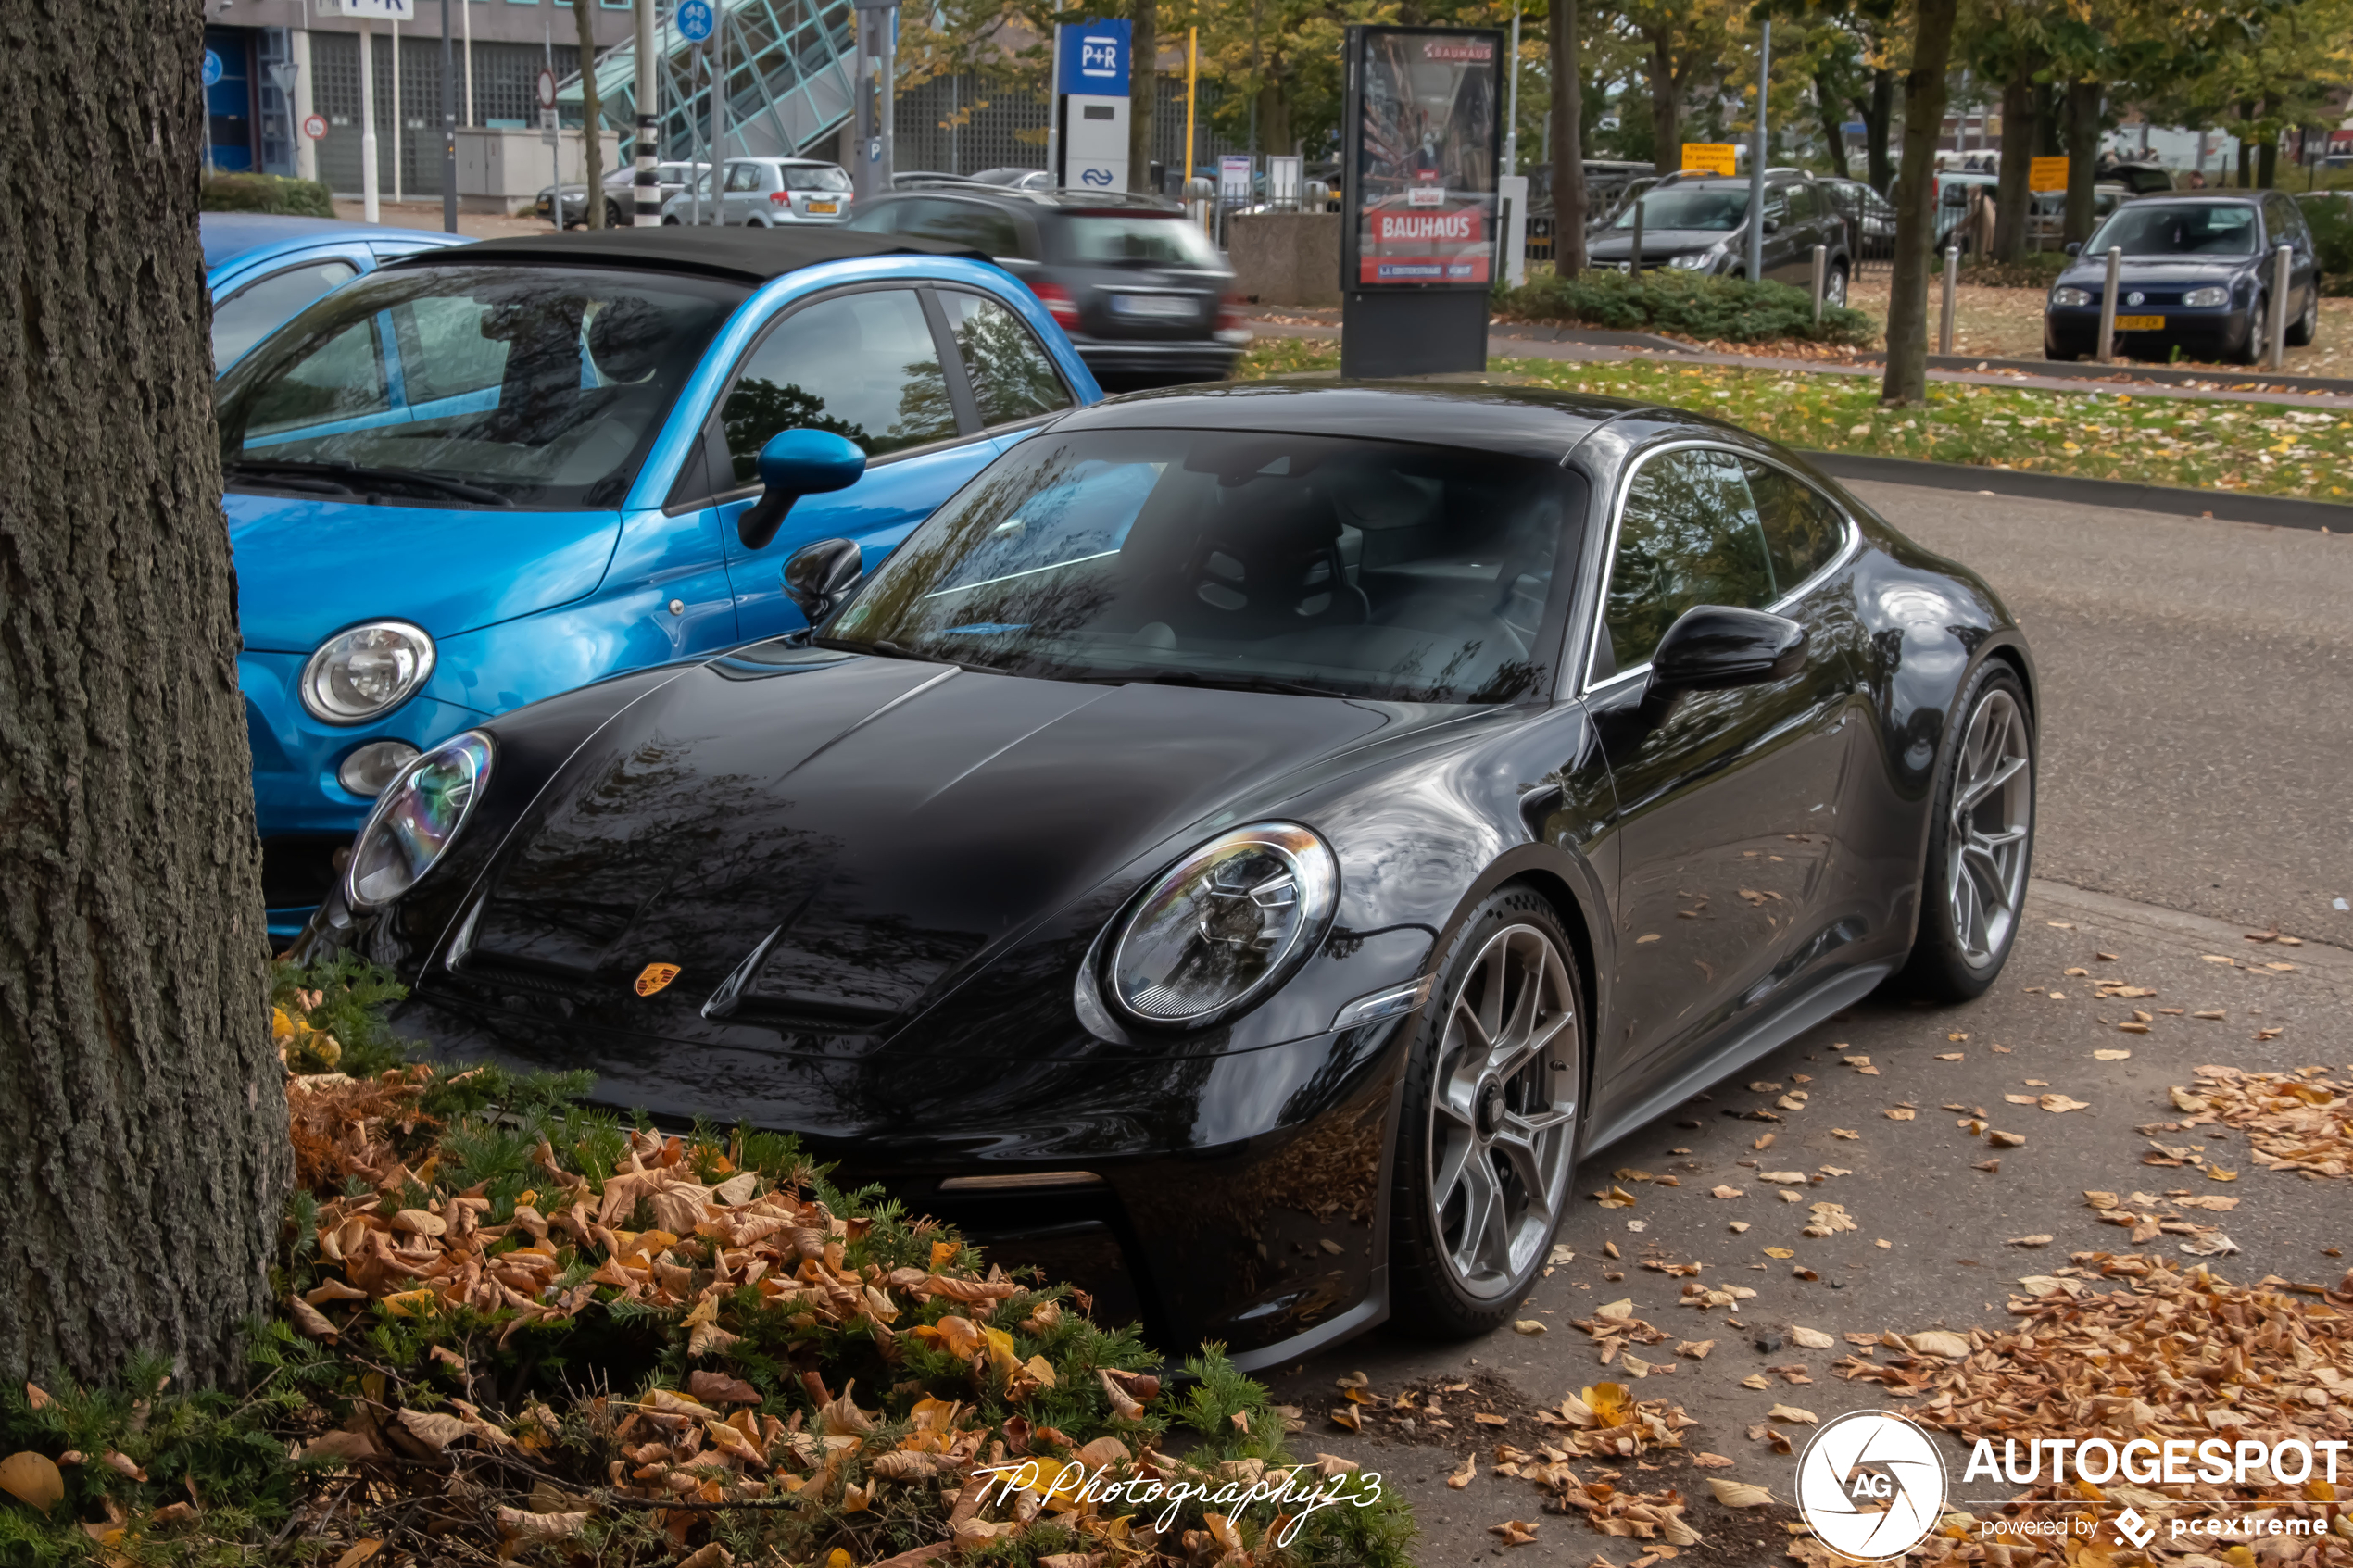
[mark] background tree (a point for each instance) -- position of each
(146, 1159)
(592, 141)
(1684, 39)
(1906, 377)
(1562, 28)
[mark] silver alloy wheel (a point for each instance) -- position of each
(1834, 293)
(1992, 814)
(1503, 1110)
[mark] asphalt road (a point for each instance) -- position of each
(2196, 717)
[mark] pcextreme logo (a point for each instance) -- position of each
(1870, 1485)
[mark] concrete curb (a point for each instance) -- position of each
(2223, 505)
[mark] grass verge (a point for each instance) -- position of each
(2259, 448)
(513, 1329)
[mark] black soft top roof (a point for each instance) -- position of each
(753, 256)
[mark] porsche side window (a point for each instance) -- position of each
(1802, 531)
(1012, 376)
(1689, 535)
(861, 365)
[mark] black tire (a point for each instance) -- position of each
(2258, 331)
(2056, 355)
(2305, 328)
(671, 223)
(1946, 964)
(1429, 1293)
(614, 217)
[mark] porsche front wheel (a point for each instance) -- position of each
(1981, 843)
(1486, 1139)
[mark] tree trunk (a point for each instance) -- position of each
(592, 139)
(145, 1158)
(1877, 111)
(1274, 116)
(1667, 110)
(2013, 200)
(2267, 162)
(2247, 145)
(1143, 92)
(1907, 379)
(1567, 151)
(1833, 127)
(2082, 155)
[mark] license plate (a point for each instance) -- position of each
(2140, 323)
(1152, 305)
(826, 208)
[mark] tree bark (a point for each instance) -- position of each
(2013, 200)
(1143, 92)
(145, 1158)
(2082, 155)
(1876, 109)
(2247, 145)
(1915, 201)
(592, 139)
(1567, 151)
(2267, 162)
(1833, 126)
(1667, 109)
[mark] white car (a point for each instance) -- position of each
(763, 192)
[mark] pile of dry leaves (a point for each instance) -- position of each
(2300, 1121)
(2174, 1354)
(515, 1329)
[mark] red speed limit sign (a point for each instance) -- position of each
(547, 88)
(314, 126)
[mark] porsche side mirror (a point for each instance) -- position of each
(1714, 646)
(818, 576)
(797, 463)
(2074, 247)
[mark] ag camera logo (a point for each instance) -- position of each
(1870, 1485)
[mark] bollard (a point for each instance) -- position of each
(2107, 305)
(1945, 320)
(1634, 256)
(1821, 273)
(2281, 260)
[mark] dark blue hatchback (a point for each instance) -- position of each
(2195, 275)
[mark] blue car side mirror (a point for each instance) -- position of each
(797, 463)
(2075, 247)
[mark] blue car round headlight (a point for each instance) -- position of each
(366, 672)
(1224, 925)
(2071, 296)
(415, 820)
(2208, 297)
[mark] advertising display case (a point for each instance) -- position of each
(1420, 153)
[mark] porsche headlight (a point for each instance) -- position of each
(415, 820)
(366, 671)
(2207, 297)
(1224, 925)
(2071, 296)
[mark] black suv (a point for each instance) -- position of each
(1145, 297)
(1699, 223)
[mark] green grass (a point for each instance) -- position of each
(2199, 443)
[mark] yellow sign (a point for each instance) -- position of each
(1712, 158)
(2046, 174)
(654, 976)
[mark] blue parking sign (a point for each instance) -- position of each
(212, 68)
(1094, 58)
(696, 20)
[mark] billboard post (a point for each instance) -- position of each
(1420, 146)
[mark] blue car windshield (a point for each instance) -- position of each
(1331, 566)
(491, 385)
(2169, 230)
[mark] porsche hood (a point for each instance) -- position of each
(822, 843)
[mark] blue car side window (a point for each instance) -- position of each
(861, 365)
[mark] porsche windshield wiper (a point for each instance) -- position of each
(888, 649)
(354, 479)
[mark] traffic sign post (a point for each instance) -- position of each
(555, 146)
(212, 70)
(698, 20)
(315, 126)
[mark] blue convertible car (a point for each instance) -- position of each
(263, 267)
(481, 476)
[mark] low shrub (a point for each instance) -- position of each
(1713, 309)
(2332, 224)
(512, 1328)
(267, 192)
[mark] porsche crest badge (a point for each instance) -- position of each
(654, 976)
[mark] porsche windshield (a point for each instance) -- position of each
(485, 385)
(1275, 562)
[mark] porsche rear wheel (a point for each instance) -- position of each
(1487, 1140)
(1980, 844)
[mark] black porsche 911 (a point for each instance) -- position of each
(1250, 843)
